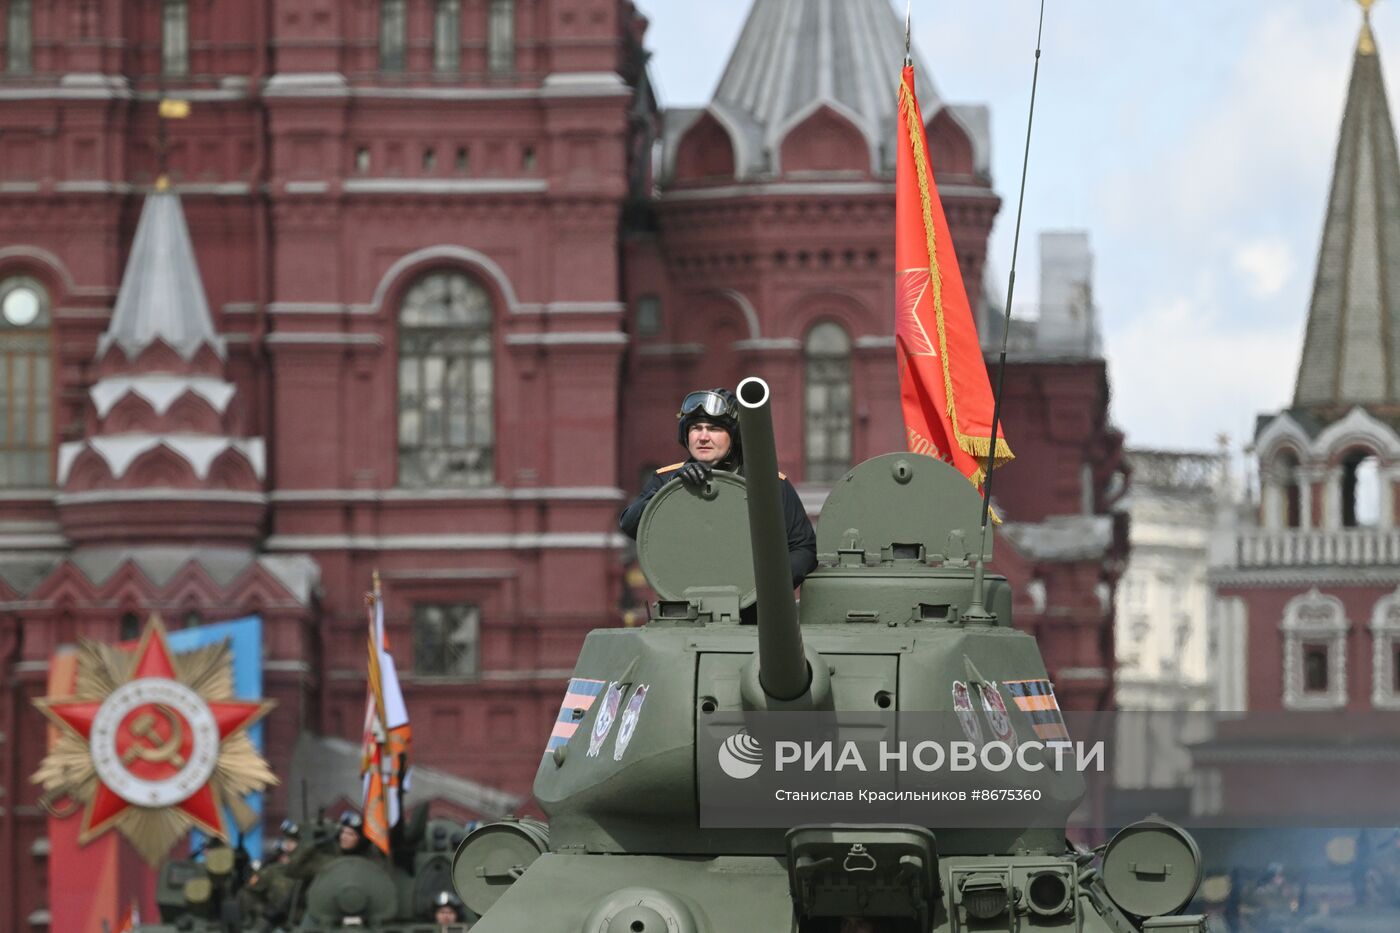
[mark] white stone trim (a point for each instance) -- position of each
(1310, 619)
(875, 342)
(160, 494)
(51, 261)
(449, 252)
(746, 308)
(573, 307)
(307, 338)
(1385, 638)
(198, 450)
(1358, 427)
(584, 84)
(581, 541)
(564, 338)
(160, 390)
(306, 187)
(769, 343)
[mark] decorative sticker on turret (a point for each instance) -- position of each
(967, 716)
(1036, 698)
(997, 716)
(607, 715)
(629, 721)
(578, 700)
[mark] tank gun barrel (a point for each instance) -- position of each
(783, 670)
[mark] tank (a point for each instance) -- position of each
(896, 618)
(221, 892)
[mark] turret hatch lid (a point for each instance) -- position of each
(693, 538)
(903, 498)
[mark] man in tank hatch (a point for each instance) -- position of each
(708, 428)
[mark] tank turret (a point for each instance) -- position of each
(897, 619)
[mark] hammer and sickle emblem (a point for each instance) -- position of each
(143, 727)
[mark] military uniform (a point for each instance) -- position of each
(802, 540)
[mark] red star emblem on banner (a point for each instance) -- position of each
(154, 742)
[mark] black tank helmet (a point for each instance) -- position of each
(716, 406)
(448, 899)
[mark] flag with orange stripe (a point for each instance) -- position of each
(388, 736)
(944, 390)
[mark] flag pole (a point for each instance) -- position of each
(977, 609)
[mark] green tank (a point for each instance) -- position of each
(889, 623)
(319, 890)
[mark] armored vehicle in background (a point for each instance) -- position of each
(891, 621)
(222, 893)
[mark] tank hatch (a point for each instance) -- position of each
(893, 505)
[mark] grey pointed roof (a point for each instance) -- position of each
(1351, 352)
(161, 295)
(794, 56)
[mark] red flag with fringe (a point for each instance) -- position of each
(943, 385)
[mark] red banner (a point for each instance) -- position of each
(946, 396)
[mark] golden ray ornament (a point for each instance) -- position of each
(153, 744)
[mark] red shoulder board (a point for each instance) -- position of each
(668, 469)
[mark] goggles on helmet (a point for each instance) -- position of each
(708, 401)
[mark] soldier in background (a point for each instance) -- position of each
(447, 910)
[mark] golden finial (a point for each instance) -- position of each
(162, 182)
(1366, 44)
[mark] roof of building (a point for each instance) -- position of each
(161, 295)
(1351, 353)
(796, 56)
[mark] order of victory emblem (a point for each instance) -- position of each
(153, 743)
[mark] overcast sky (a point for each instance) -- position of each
(1192, 139)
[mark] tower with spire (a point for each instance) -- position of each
(1306, 608)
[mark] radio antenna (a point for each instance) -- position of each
(979, 583)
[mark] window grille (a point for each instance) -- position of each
(26, 384)
(446, 640)
(446, 396)
(828, 403)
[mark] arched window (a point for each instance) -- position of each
(500, 37)
(1283, 506)
(175, 37)
(1385, 652)
(393, 29)
(1361, 490)
(446, 410)
(19, 37)
(26, 384)
(1314, 652)
(828, 402)
(447, 36)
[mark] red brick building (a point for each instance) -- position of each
(1307, 594)
(417, 301)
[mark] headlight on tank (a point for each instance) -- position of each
(1048, 892)
(984, 896)
(1152, 868)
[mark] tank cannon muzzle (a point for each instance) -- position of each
(783, 670)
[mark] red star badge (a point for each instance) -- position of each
(154, 742)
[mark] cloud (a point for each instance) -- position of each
(1266, 266)
(1179, 376)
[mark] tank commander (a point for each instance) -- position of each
(708, 428)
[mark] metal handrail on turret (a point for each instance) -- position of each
(783, 669)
